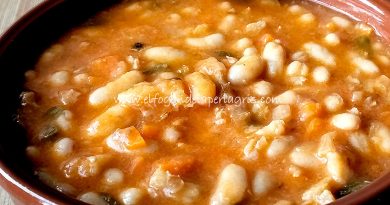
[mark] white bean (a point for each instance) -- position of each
(252, 148)
(127, 140)
(296, 9)
(135, 6)
(364, 65)
(165, 76)
(212, 67)
(357, 96)
(308, 18)
(117, 116)
(59, 78)
(282, 112)
(321, 74)
(113, 176)
(82, 79)
(134, 62)
(262, 88)
(64, 121)
(287, 98)
(131, 196)
(226, 6)
(209, 42)
(299, 56)
(202, 88)
(247, 69)
(332, 39)
(297, 68)
(326, 197)
(262, 183)
(231, 186)
(359, 142)
(275, 55)
(171, 135)
(174, 18)
(92, 198)
(86, 166)
(341, 22)
(256, 27)
(363, 29)
(337, 168)
(276, 127)
(295, 171)
(69, 97)
(279, 146)
(311, 196)
(120, 69)
(259, 110)
(303, 158)
(228, 23)
(64, 146)
(320, 53)
(166, 54)
(242, 44)
(109, 92)
(346, 121)
(189, 193)
(384, 60)
(250, 51)
(191, 11)
(159, 178)
(380, 135)
(333, 102)
(327, 144)
(139, 94)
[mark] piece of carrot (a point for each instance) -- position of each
(135, 140)
(150, 131)
(179, 165)
(309, 110)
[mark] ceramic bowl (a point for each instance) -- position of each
(25, 40)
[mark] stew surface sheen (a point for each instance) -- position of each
(211, 102)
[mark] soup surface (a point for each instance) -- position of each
(211, 102)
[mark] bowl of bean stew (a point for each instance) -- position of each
(220, 102)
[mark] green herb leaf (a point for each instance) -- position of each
(183, 70)
(48, 132)
(363, 43)
(156, 69)
(351, 187)
(138, 46)
(54, 112)
(224, 54)
(109, 199)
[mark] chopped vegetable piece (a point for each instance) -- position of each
(351, 187)
(150, 131)
(179, 165)
(48, 132)
(109, 199)
(135, 139)
(27, 98)
(138, 46)
(363, 43)
(158, 68)
(224, 54)
(124, 140)
(54, 112)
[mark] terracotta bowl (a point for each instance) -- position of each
(23, 43)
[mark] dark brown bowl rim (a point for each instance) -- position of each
(10, 181)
